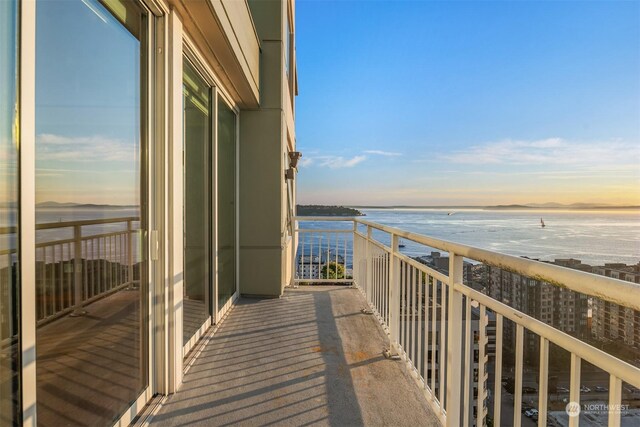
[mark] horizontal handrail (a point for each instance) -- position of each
(606, 288)
(324, 218)
(65, 224)
(311, 230)
(8, 230)
(83, 238)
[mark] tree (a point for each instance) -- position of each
(335, 271)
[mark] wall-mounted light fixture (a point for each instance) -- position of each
(289, 174)
(294, 156)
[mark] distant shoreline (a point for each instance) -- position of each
(56, 205)
(509, 207)
(324, 210)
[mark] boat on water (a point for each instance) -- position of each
(542, 224)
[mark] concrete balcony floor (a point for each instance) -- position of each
(308, 358)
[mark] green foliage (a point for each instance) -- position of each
(319, 210)
(335, 271)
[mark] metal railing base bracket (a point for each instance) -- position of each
(78, 313)
(388, 354)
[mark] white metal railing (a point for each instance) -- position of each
(81, 262)
(428, 316)
(324, 255)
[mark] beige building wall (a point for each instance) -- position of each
(266, 136)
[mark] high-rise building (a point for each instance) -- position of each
(561, 308)
(613, 322)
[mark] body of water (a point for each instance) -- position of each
(594, 237)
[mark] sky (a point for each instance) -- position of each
(87, 106)
(468, 103)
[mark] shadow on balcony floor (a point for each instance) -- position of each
(309, 358)
(89, 368)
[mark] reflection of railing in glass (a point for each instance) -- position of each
(9, 320)
(73, 272)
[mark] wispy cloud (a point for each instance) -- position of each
(333, 162)
(306, 162)
(84, 148)
(547, 151)
(383, 153)
(339, 162)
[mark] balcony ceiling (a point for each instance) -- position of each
(224, 33)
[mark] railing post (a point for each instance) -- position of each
(130, 254)
(294, 252)
(355, 256)
(454, 342)
(369, 265)
(77, 272)
(394, 293)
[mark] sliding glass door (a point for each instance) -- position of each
(197, 202)
(9, 213)
(91, 210)
(227, 184)
(207, 225)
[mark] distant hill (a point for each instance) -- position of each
(320, 210)
(50, 205)
(531, 206)
(509, 207)
(551, 205)
(56, 205)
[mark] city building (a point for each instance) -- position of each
(441, 263)
(613, 322)
(559, 307)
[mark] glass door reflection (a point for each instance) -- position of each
(197, 201)
(9, 213)
(91, 282)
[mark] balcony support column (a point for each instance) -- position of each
(454, 342)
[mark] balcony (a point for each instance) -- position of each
(309, 358)
(377, 351)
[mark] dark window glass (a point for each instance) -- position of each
(197, 201)
(226, 203)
